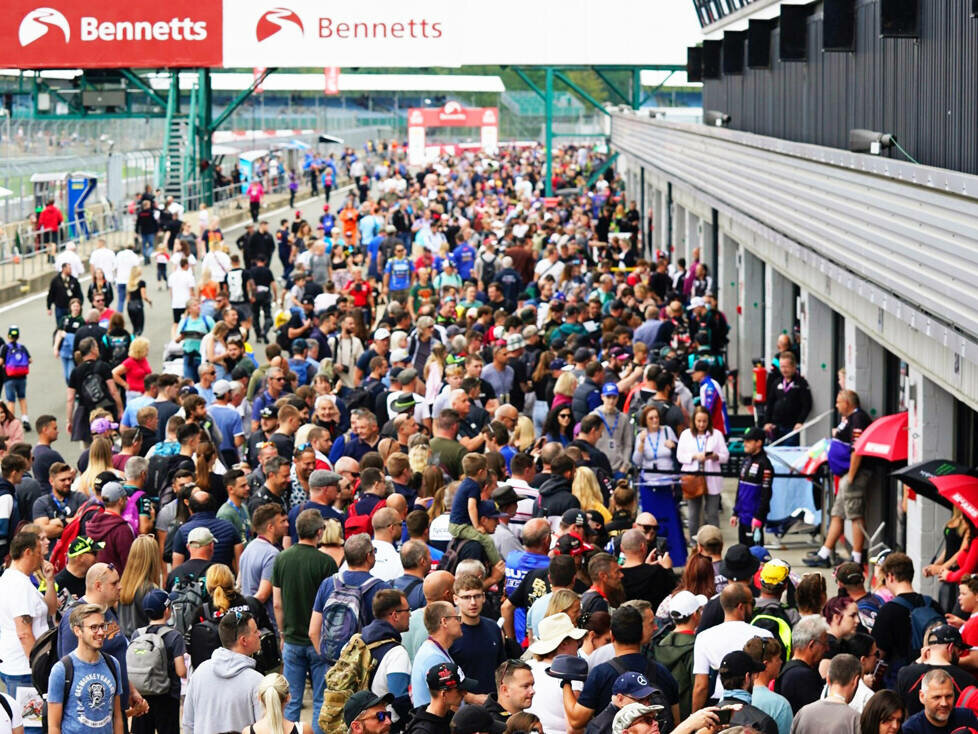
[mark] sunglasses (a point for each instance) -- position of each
(564, 415)
(381, 716)
(647, 528)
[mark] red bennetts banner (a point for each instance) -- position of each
(452, 115)
(110, 34)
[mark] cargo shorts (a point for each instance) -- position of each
(850, 502)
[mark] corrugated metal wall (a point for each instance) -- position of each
(924, 91)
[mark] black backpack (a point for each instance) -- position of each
(117, 348)
(449, 559)
(204, 637)
(664, 715)
(42, 659)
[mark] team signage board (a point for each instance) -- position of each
(312, 33)
(451, 115)
(110, 33)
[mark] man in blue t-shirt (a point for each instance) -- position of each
(536, 541)
(398, 274)
(93, 704)
(480, 649)
(464, 258)
(228, 421)
(193, 327)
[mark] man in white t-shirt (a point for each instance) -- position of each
(183, 285)
(387, 528)
(714, 643)
(125, 260)
(102, 258)
(392, 615)
(11, 720)
(23, 610)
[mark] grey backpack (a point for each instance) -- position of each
(146, 659)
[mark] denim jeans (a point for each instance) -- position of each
(13, 681)
(191, 361)
(299, 663)
(148, 242)
(120, 289)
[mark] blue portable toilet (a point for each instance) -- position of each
(80, 186)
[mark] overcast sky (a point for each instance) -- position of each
(675, 29)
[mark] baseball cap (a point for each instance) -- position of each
(573, 517)
(775, 572)
(686, 604)
(406, 375)
(571, 545)
(487, 508)
(381, 334)
(112, 492)
(755, 434)
(269, 412)
(609, 388)
(696, 302)
(200, 536)
(633, 685)
(360, 702)
(447, 677)
(155, 603)
(557, 364)
(82, 545)
(850, 573)
(400, 355)
(299, 345)
(188, 390)
(739, 663)
(103, 425)
(709, 535)
(13, 331)
(944, 634)
(324, 478)
(308, 300)
(672, 365)
(530, 331)
(583, 354)
(223, 387)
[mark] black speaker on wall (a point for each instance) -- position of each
(694, 64)
(711, 59)
(793, 38)
(899, 18)
(759, 43)
(838, 25)
(733, 52)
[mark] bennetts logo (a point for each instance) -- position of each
(38, 22)
(274, 20)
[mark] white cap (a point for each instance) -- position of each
(400, 355)
(221, 387)
(696, 302)
(686, 604)
(381, 334)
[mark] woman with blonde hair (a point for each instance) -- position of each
(134, 369)
(331, 542)
(273, 692)
(564, 390)
(566, 601)
(523, 435)
(143, 572)
(419, 454)
(223, 598)
(135, 297)
(433, 373)
(99, 460)
(213, 349)
(585, 488)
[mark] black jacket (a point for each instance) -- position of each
(427, 723)
(555, 498)
(261, 243)
(61, 293)
(785, 408)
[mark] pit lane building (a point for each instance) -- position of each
(874, 254)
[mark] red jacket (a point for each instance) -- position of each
(50, 218)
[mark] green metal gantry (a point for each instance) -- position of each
(632, 97)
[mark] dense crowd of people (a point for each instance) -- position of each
(453, 455)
